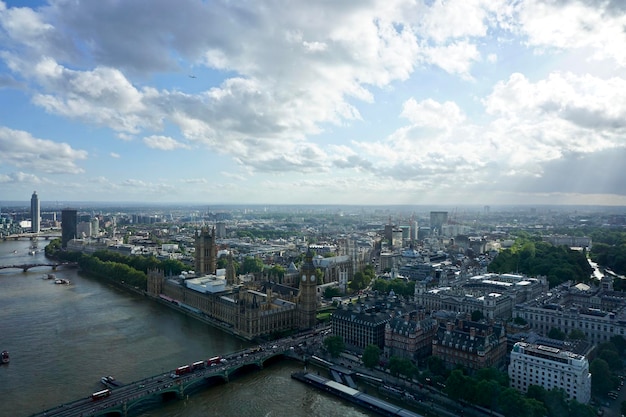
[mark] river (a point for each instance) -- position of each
(63, 338)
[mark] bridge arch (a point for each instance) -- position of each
(245, 368)
(149, 401)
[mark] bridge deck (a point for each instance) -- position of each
(26, 267)
(122, 399)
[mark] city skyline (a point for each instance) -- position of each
(368, 103)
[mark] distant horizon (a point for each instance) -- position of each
(433, 207)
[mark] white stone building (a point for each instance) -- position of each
(550, 367)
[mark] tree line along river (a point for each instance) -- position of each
(63, 338)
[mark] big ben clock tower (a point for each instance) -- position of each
(307, 298)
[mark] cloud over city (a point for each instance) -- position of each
(399, 102)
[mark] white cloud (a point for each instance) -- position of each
(591, 110)
(445, 20)
(285, 87)
(195, 181)
(597, 26)
(20, 177)
(22, 150)
(455, 58)
(163, 143)
(429, 113)
(540, 132)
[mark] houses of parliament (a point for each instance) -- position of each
(248, 310)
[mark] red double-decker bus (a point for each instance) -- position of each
(100, 394)
(213, 361)
(183, 369)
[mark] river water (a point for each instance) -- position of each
(62, 339)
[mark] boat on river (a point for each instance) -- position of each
(62, 281)
(4, 356)
(110, 382)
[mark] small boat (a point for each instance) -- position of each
(109, 382)
(49, 276)
(4, 356)
(62, 281)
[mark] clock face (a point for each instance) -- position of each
(303, 278)
(312, 278)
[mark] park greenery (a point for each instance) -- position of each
(489, 388)
(609, 246)
(127, 270)
(399, 287)
(531, 256)
(362, 279)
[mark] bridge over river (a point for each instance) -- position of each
(26, 267)
(31, 236)
(150, 392)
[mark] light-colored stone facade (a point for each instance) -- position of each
(550, 367)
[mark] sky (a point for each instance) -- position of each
(314, 102)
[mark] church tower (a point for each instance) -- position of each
(307, 298)
(206, 252)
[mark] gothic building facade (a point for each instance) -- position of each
(243, 311)
(206, 252)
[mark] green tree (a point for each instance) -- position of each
(492, 374)
(520, 321)
(277, 272)
(577, 334)
(620, 344)
(531, 256)
(401, 366)
(536, 392)
(330, 292)
(512, 404)
(535, 408)
(556, 403)
(251, 265)
(577, 409)
(557, 334)
(477, 315)
(456, 385)
(334, 345)
(600, 377)
(612, 359)
(371, 356)
(487, 393)
(436, 366)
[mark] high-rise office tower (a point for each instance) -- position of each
(35, 215)
(437, 220)
(68, 226)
